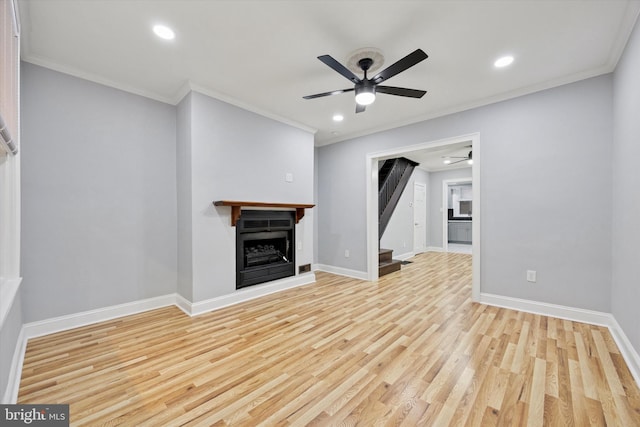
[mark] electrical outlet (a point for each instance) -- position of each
(346, 253)
(531, 275)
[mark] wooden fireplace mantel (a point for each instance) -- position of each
(237, 206)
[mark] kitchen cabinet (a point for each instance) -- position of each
(460, 231)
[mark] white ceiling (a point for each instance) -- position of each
(261, 55)
(432, 159)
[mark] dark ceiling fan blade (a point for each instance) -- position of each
(360, 108)
(460, 161)
(408, 61)
(338, 67)
(333, 92)
(401, 91)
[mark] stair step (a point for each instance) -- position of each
(385, 255)
(389, 267)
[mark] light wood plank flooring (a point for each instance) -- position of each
(411, 349)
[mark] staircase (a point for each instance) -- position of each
(386, 263)
(393, 176)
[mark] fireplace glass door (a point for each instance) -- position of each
(264, 246)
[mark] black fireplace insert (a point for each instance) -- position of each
(264, 246)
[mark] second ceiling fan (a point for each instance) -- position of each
(366, 88)
(468, 158)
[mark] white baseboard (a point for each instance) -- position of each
(629, 354)
(405, 256)
(435, 249)
(241, 295)
(35, 329)
(362, 275)
(63, 323)
(627, 351)
(183, 304)
(15, 370)
(553, 310)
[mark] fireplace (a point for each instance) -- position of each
(264, 246)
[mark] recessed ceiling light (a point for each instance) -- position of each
(503, 61)
(164, 32)
(446, 161)
(338, 117)
(470, 161)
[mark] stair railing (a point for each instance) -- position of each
(391, 189)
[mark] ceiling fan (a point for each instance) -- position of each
(366, 88)
(468, 158)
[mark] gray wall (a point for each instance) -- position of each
(239, 155)
(98, 195)
(399, 233)
(626, 191)
(118, 191)
(341, 199)
(435, 203)
(548, 154)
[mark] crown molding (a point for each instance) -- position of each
(95, 78)
(241, 104)
(172, 100)
(550, 84)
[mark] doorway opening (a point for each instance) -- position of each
(372, 159)
(457, 215)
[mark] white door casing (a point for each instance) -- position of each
(419, 217)
(371, 168)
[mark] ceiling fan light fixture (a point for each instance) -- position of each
(365, 95)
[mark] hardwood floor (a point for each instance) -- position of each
(411, 349)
